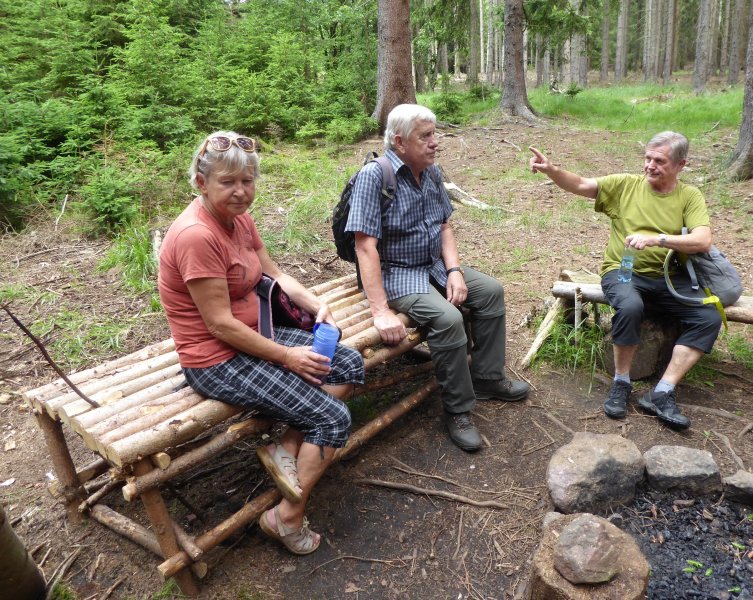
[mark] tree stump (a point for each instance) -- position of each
(658, 336)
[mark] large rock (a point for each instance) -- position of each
(594, 472)
(658, 338)
(629, 582)
(586, 551)
(739, 487)
(682, 469)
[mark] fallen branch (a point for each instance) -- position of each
(112, 588)
(745, 430)
(427, 492)
(550, 320)
(60, 572)
(727, 443)
(351, 557)
(557, 422)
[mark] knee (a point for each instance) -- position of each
(630, 312)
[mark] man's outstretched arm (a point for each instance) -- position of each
(570, 182)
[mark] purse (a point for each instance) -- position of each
(276, 308)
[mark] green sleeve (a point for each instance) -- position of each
(694, 213)
(610, 190)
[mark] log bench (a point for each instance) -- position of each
(148, 429)
(574, 287)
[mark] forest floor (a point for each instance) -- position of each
(382, 543)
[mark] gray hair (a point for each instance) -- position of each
(401, 121)
(232, 160)
(678, 144)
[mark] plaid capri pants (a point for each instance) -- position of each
(257, 384)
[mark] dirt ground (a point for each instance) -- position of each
(379, 542)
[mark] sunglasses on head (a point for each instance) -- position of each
(222, 143)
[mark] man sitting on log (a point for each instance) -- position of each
(409, 263)
(647, 214)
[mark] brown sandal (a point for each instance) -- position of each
(303, 541)
(282, 467)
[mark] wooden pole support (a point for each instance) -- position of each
(252, 511)
(89, 472)
(183, 463)
(550, 320)
(72, 488)
(162, 525)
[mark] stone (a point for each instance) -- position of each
(629, 583)
(682, 469)
(739, 487)
(551, 516)
(586, 551)
(658, 338)
(594, 472)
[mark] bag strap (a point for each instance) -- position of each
(691, 269)
(264, 296)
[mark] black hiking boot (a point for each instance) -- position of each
(615, 406)
(664, 406)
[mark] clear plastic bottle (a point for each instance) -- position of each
(625, 274)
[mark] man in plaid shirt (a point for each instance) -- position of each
(409, 263)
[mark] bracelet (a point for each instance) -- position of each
(456, 269)
(285, 358)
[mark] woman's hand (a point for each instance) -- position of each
(310, 366)
(324, 315)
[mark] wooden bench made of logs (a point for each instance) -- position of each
(575, 287)
(146, 433)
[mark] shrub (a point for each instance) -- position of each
(448, 107)
(109, 198)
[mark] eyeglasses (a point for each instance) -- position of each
(222, 143)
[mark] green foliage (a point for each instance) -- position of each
(741, 350)
(573, 350)
(447, 107)
(62, 591)
(645, 108)
(132, 254)
(110, 199)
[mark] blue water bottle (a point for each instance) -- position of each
(326, 337)
(625, 274)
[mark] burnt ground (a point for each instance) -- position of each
(379, 542)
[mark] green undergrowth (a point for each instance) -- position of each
(645, 108)
(580, 350)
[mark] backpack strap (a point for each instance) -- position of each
(691, 269)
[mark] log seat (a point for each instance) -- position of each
(147, 424)
(577, 286)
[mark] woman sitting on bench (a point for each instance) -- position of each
(211, 261)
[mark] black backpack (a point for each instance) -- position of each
(345, 241)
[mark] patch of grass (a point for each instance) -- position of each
(74, 339)
(741, 350)
(703, 372)
(62, 591)
(26, 293)
(518, 257)
(536, 219)
(132, 254)
(645, 108)
(581, 350)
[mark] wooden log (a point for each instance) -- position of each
(346, 302)
(98, 495)
(87, 473)
(162, 525)
(356, 318)
(391, 380)
(161, 460)
(183, 427)
(339, 294)
(356, 328)
(350, 310)
(136, 533)
(591, 291)
(252, 511)
(180, 428)
(387, 353)
(741, 311)
(186, 542)
(53, 389)
(328, 285)
(152, 411)
(550, 320)
(462, 197)
(163, 413)
(82, 421)
(190, 459)
(98, 389)
(371, 336)
(72, 488)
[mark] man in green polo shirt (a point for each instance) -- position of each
(647, 214)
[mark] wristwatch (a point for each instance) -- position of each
(662, 239)
(454, 269)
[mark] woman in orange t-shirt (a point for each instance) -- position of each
(210, 264)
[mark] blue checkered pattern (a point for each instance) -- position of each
(410, 244)
(275, 392)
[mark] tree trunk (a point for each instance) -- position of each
(604, 72)
(394, 68)
(736, 42)
(419, 63)
(669, 49)
(620, 59)
(514, 96)
(701, 68)
(491, 56)
(714, 38)
(20, 578)
(539, 59)
(475, 47)
(741, 165)
(500, 47)
(651, 37)
(725, 25)
(547, 73)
